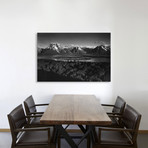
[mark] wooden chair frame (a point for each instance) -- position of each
(23, 127)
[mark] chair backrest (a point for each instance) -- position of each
(29, 105)
(119, 105)
(16, 120)
(131, 120)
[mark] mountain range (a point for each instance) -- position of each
(57, 49)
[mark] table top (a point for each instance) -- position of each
(75, 109)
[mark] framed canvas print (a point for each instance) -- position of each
(70, 57)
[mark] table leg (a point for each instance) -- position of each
(70, 141)
(59, 141)
(82, 128)
(88, 132)
(88, 138)
(66, 136)
(95, 138)
(55, 135)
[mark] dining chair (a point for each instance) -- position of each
(117, 111)
(22, 136)
(31, 111)
(125, 137)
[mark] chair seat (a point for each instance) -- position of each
(114, 138)
(33, 138)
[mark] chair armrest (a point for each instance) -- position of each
(33, 116)
(108, 105)
(116, 129)
(32, 129)
(36, 113)
(114, 114)
(41, 104)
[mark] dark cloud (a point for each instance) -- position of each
(76, 39)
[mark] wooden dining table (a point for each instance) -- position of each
(77, 110)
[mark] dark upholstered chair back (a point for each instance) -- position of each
(16, 120)
(29, 105)
(131, 120)
(119, 106)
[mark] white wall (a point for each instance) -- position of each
(127, 21)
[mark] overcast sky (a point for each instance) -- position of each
(75, 39)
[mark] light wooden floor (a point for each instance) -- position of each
(5, 141)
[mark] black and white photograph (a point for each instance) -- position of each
(75, 57)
